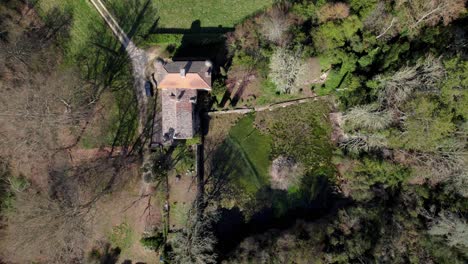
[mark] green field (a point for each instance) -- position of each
(84, 17)
(211, 13)
(247, 152)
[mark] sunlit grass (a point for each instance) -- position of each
(211, 13)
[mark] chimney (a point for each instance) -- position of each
(182, 73)
(208, 65)
(208, 73)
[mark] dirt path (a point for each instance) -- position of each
(137, 56)
(270, 107)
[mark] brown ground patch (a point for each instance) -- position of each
(343, 183)
(337, 124)
(140, 213)
(219, 127)
(183, 191)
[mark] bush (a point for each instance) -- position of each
(196, 140)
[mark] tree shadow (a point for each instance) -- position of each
(111, 256)
(104, 254)
(138, 18)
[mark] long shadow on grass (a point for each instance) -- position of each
(274, 209)
(201, 43)
(278, 209)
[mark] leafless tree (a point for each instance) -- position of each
(288, 70)
(440, 166)
(412, 16)
(333, 11)
(459, 183)
(275, 25)
(56, 228)
(453, 228)
(398, 88)
(367, 117)
(358, 143)
(430, 12)
(196, 243)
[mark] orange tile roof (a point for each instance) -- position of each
(190, 81)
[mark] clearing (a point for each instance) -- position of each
(242, 150)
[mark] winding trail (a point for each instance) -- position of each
(138, 57)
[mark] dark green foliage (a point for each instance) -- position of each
(300, 132)
(154, 242)
(6, 193)
(400, 186)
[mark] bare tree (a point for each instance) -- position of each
(54, 227)
(431, 12)
(441, 166)
(363, 143)
(275, 25)
(333, 11)
(412, 16)
(196, 243)
(398, 88)
(288, 71)
(453, 228)
(367, 117)
(459, 183)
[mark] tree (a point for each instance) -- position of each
(425, 126)
(275, 25)
(333, 11)
(54, 227)
(397, 88)
(453, 229)
(367, 117)
(413, 15)
(196, 242)
(287, 70)
(335, 34)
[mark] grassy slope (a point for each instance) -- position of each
(254, 148)
(211, 13)
(84, 16)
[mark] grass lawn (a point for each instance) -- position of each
(269, 96)
(114, 122)
(211, 13)
(253, 150)
(84, 17)
(122, 236)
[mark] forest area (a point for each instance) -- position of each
(373, 169)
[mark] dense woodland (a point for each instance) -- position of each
(398, 70)
(383, 164)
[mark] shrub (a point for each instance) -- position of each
(193, 141)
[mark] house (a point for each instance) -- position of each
(178, 83)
